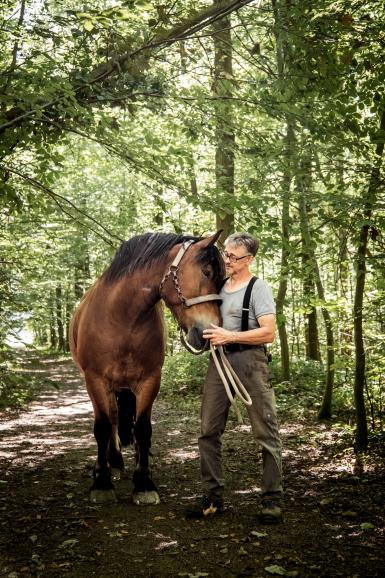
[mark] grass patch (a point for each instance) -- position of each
(18, 383)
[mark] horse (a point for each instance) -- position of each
(117, 339)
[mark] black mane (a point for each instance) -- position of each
(142, 251)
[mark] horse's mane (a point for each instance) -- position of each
(142, 251)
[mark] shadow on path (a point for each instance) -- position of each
(49, 528)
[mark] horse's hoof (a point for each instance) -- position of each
(102, 496)
(116, 474)
(146, 498)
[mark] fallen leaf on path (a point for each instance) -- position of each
(258, 534)
(69, 543)
(278, 570)
(196, 575)
(349, 514)
(366, 526)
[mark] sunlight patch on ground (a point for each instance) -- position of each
(251, 490)
(54, 424)
(240, 428)
(162, 541)
(166, 544)
(182, 454)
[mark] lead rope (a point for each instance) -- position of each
(230, 378)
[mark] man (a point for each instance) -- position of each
(246, 352)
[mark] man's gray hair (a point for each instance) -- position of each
(238, 239)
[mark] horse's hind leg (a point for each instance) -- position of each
(127, 408)
(145, 491)
(102, 490)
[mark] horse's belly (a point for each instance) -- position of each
(131, 371)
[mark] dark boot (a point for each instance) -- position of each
(271, 512)
(208, 506)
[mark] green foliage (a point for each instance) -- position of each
(88, 160)
(18, 383)
(183, 374)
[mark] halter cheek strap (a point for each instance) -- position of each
(179, 255)
(173, 273)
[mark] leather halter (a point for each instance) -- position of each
(173, 273)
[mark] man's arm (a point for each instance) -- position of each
(265, 333)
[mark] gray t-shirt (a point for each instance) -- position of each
(261, 303)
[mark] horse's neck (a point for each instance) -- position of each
(145, 285)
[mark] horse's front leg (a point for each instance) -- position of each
(102, 489)
(145, 491)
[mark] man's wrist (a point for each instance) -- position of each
(233, 337)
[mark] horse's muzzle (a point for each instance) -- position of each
(196, 340)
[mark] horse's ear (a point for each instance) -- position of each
(211, 240)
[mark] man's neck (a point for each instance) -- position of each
(239, 279)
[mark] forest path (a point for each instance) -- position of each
(49, 528)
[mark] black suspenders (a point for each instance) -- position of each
(246, 305)
(245, 313)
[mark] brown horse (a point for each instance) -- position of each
(117, 340)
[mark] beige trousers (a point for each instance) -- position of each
(252, 369)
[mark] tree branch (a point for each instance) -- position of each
(58, 199)
(122, 62)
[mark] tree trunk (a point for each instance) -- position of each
(369, 200)
(325, 411)
(285, 251)
(346, 333)
(59, 319)
(311, 322)
(52, 322)
(283, 59)
(68, 314)
(224, 131)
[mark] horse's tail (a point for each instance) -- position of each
(126, 412)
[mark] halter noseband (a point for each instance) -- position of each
(173, 273)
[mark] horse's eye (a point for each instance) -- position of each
(207, 273)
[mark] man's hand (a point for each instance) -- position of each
(218, 336)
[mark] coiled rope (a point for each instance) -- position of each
(230, 380)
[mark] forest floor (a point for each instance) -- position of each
(333, 524)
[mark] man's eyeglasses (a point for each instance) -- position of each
(232, 258)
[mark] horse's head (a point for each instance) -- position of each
(191, 285)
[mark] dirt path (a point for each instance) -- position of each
(333, 519)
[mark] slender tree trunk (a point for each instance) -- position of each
(311, 321)
(325, 411)
(346, 334)
(68, 314)
(224, 132)
(285, 252)
(82, 272)
(52, 322)
(369, 200)
(283, 60)
(59, 318)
